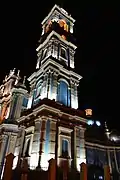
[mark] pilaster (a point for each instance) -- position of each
(76, 95)
(72, 94)
(42, 158)
(55, 49)
(49, 88)
(77, 147)
(72, 58)
(44, 86)
(3, 147)
(52, 138)
(36, 144)
(82, 145)
(19, 147)
(54, 89)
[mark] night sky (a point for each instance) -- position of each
(97, 31)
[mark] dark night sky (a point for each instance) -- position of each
(97, 30)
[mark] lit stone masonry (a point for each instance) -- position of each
(74, 94)
(82, 145)
(36, 144)
(43, 156)
(79, 146)
(54, 89)
(19, 147)
(64, 134)
(52, 142)
(8, 139)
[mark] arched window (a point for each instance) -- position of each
(63, 93)
(65, 148)
(63, 53)
(37, 93)
(38, 90)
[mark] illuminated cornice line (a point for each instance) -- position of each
(58, 36)
(61, 10)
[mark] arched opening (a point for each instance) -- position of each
(63, 53)
(63, 24)
(63, 95)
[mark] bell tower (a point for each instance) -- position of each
(55, 77)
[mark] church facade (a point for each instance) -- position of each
(45, 122)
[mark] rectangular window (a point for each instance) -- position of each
(65, 148)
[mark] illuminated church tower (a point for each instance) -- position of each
(52, 121)
(55, 77)
(45, 122)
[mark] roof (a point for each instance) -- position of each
(61, 10)
(96, 134)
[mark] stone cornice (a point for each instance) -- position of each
(61, 11)
(60, 38)
(59, 70)
(51, 109)
(95, 145)
(9, 128)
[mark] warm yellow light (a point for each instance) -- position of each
(88, 112)
(63, 37)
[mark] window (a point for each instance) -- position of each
(27, 148)
(63, 93)
(63, 53)
(65, 148)
(25, 102)
(44, 53)
(38, 91)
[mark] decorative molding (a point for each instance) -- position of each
(59, 37)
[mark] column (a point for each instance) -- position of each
(18, 106)
(109, 160)
(38, 61)
(19, 147)
(72, 94)
(77, 147)
(4, 141)
(44, 86)
(42, 158)
(82, 145)
(12, 143)
(72, 58)
(54, 88)
(55, 49)
(52, 138)
(49, 88)
(76, 95)
(36, 144)
(49, 48)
